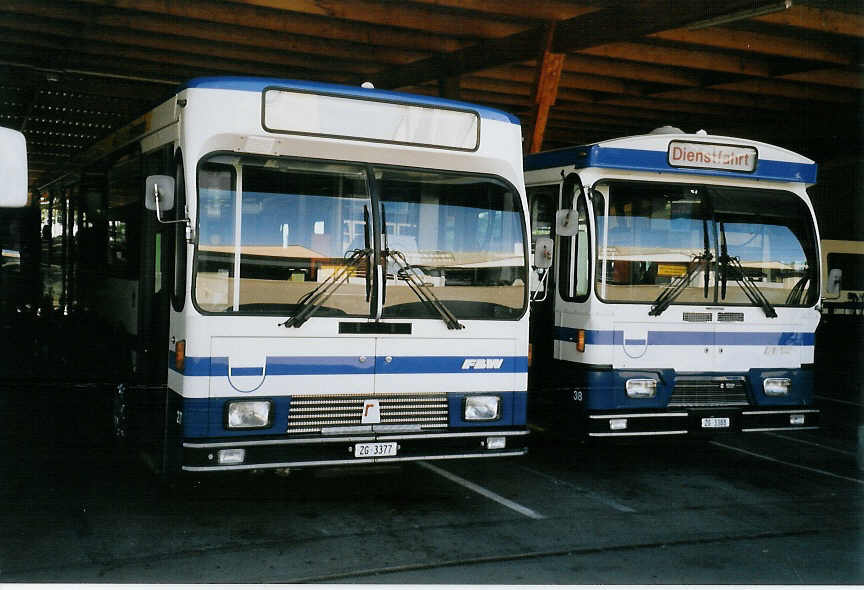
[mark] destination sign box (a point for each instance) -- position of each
(714, 156)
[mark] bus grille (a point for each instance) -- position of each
(731, 391)
(310, 413)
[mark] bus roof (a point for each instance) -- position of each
(255, 84)
(654, 153)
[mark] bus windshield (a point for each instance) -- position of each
(650, 233)
(272, 230)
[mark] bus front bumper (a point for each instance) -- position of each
(699, 421)
(324, 451)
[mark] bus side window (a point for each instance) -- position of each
(178, 283)
(574, 258)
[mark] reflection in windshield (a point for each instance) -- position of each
(654, 230)
(297, 223)
(462, 235)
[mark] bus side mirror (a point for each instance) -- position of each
(13, 168)
(566, 222)
(835, 276)
(543, 253)
(159, 195)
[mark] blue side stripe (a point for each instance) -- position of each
(673, 338)
(450, 364)
(351, 365)
(246, 371)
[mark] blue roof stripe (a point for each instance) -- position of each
(253, 84)
(655, 161)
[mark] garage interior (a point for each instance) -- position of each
(787, 73)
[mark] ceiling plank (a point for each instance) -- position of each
(818, 19)
(163, 42)
(408, 16)
(829, 77)
(127, 23)
(544, 90)
(276, 20)
(630, 20)
(759, 43)
(536, 10)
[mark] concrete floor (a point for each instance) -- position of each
(741, 509)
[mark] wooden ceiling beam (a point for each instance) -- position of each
(829, 77)
(537, 10)
(107, 38)
(408, 16)
(276, 20)
(544, 91)
(682, 58)
(625, 21)
(202, 60)
(817, 19)
(759, 43)
(125, 27)
(793, 90)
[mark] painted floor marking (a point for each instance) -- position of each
(773, 460)
(594, 496)
(811, 443)
(839, 401)
(482, 491)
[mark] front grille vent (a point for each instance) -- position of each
(310, 413)
(731, 391)
(730, 316)
(696, 316)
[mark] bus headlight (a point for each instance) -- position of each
(775, 386)
(641, 387)
(248, 414)
(482, 407)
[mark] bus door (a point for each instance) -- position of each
(542, 205)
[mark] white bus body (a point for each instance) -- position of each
(237, 364)
(686, 299)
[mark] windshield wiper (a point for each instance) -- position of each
(311, 301)
(671, 292)
(747, 284)
(408, 274)
(796, 295)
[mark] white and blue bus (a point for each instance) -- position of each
(684, 296)
(301, 274)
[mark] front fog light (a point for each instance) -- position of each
(231, 456)
(618, 424)
(777, 386)
(496, 442)
(248, 414)
(796, 419)
(482, 407)
(641, 387)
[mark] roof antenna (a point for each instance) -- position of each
(367, 84)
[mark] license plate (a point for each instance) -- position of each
(715, 422)
(364, 450)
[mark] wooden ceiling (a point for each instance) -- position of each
(71, 71)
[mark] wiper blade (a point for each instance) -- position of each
(676, 287)
(796, 295)
(408, 274)
(748, 285)
(311, 301)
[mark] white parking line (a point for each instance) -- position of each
(839, 401)
(811, 443)
(594, 496)
(773, 460)
(482, 491)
